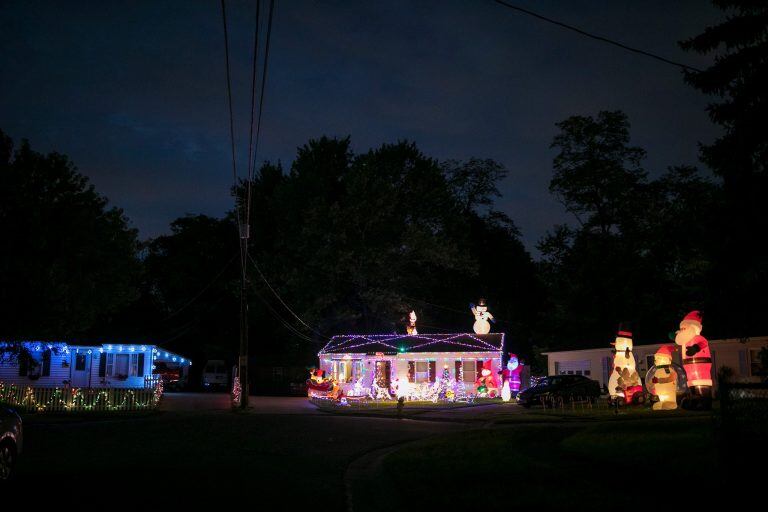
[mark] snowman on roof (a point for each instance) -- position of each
(482, 317)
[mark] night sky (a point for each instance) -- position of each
(134, 92)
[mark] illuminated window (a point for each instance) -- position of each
(134, 365)
(470, 370)
(422, 371)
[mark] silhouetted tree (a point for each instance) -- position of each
(68, 260)
(739, 78)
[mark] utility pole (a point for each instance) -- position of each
(243, 362)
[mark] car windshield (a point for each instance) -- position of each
(550, 381)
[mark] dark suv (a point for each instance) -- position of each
(10, 441)
(556, 387)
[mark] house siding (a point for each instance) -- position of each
(731, 353)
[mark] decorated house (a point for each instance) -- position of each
(385, 361)
(44, 364)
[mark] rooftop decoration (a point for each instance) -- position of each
(402, 343)
(411, 327)
(482, 317)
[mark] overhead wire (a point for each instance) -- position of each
(595, 36)
(279, 298)
(265, 68)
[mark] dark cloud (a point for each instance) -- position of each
(134, 92)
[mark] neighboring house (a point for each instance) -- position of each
(56, 364)
(415, 358)
(740, 356)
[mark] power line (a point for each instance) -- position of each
(261, 100)
(596, 37)
(297, 317)
(251, 156)
(202, 291)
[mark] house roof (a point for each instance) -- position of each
(394, 343)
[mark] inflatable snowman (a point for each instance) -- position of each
(663, 383)
(482, 317)
(623, 358)
(697, 361)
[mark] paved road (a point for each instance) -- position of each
(186, 402)
(283, 450)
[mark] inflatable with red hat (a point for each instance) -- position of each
(665, 380)
(486, 384)
(697, 362)
(624, 386)
(510, 378)
(318, 386)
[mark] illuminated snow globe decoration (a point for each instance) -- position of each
(665, 379)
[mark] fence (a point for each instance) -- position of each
(69, 399)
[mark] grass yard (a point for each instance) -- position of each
(544, 465)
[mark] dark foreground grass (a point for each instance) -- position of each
(613, 464)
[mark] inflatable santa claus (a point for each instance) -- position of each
(510, 378)
(486, 384)
(697, 362)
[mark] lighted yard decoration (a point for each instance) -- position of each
(510, 377)
(411, 327)
(486, 384)
(482, 317)
(661, 379)
(697, 361)
(623, 359)
(318, 386)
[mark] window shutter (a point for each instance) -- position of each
(103, 365)
(140, 366)
(46, 372)
(432, 370)
(457, 369)
(478, 367)
(23, 363)
(743, 363)
(411, 371)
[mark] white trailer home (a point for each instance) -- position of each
(110, 365)
(420, 358)
(741, 356)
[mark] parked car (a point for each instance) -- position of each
(215, 375)
(555, 387)
(10, 441)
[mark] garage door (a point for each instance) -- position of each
(574, 367)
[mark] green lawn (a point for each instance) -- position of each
(544, 465)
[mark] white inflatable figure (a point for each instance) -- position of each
(411, 327)
(482, 317)
(663, 384)
(506, 393)
(622, 358)
(402, 388)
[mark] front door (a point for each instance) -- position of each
(80, 370)
(383, 369)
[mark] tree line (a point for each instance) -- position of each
(345, 242)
